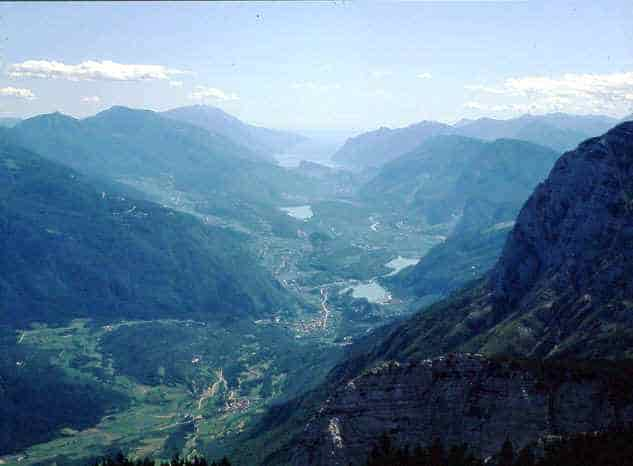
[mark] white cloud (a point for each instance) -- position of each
(424, 75)
(91, 71)
(318, 87)
(17, 92)
(379, 74)
(175, 83)
(487, 89)
(204, 93)
(517, 108)
(93, 99)
(609, 93)
(473, 105)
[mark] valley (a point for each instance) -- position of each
(284, 278)
(308, 264)
(191, 386)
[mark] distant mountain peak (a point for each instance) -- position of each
(50, 120)
(57, 115)
(117, 111)
(262, 141)
(559, 131)
(375, 148)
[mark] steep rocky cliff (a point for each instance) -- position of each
(561, 290)
(457, 398)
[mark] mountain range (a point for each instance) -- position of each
(377, 147)
(171, 162)
(446, 173)
(559, 131)
(264, 142)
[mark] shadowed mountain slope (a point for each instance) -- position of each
(446, 173)
(71, 249)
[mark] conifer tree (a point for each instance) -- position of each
(506, 456)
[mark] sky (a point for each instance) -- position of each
(320, 65)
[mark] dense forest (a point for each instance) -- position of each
(122, 460)
(612, 448)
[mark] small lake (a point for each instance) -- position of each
(400, 263)
(371, 291)
(302, 212)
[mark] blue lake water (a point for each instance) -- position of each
(302, 212)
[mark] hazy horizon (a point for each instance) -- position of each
(330, 65)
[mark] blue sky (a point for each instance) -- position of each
(325, 65)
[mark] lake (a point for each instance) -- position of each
(372, 291)
(400, 263)
(302, 212)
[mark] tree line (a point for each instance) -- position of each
(611, 448)
(121, 460)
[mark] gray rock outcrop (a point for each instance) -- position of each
(456, 398)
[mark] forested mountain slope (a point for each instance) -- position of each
(72, 250)
(446, 173)
(171, 162)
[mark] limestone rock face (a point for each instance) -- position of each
(568, 263)
(575, 220)
(458, 398)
